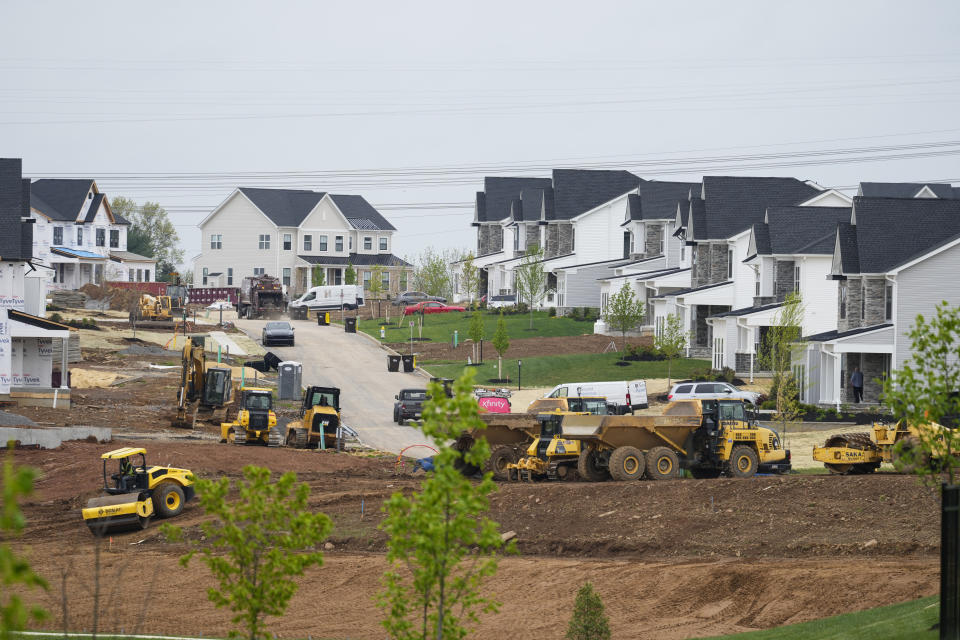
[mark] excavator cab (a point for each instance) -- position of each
(218, 387)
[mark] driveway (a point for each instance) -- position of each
(358, 366)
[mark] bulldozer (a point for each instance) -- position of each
(153, 311)
(319, 425)
(256, 423)
(864, 452)
(203, 386)
(138, 493)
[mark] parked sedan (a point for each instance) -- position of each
(430, 307)
(413, 297)
(710, 391)
(277, 333)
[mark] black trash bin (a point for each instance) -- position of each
(409, 363)
(350, 325)
(323, 318)
(393, 363)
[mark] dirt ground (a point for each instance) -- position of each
(521, 347)
(671, 560)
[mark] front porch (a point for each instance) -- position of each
(73, 268)
(831, 358)
(738, 337)
(29, 378)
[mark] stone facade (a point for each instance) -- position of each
(865, 303)
(700, 268)
(874, 301)
(531, 236)
(654, 240)
(873, 367)
(783, 279)
(559, 239)
(718, 262)
(489, 239)
(759, 301)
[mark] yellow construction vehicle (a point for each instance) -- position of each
(203, 386)
(153, 311)
(319, 425)
(707, 437)
(138, 493)
(256, 423)
(864, 452)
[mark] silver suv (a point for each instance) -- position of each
(710, 391)
(413, 297)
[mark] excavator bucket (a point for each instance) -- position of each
(123, 512)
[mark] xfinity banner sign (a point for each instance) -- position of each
(6, 345)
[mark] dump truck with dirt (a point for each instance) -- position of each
(707, 437)
(138, 493)
(864, 452)
(261, 297)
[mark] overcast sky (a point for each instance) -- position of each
(410, 104)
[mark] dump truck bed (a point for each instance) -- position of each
(642, 432)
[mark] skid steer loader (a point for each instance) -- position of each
(319, 425)
(137, 494)
(256, 423)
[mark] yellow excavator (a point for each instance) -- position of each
(256, 423)
(204, 386)
(138, 493)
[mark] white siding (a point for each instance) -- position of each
(240, 223)
(743, 275)
(918, 290)
(819, 294)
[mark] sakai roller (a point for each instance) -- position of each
(138, 493)
(863, 452)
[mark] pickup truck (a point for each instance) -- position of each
(409, 404)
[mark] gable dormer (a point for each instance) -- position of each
(925, 192)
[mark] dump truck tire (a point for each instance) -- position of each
(743, 462)
(627, 463)
(168, 500)
(588, 469)
(499, 458)
(662, 464)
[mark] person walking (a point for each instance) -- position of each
(856, 381)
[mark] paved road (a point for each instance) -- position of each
(358, 366)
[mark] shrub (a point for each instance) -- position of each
(552, 312)
(701, 375)
(726, 374)
(768, 404)
(56, 317)
(574, 313)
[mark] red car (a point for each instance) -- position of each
(430, 306)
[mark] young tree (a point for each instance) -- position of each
(150, 226)
(925, 390)
(256, 545)
(477, 332)
(623, 312)
(501, 342)
(432, 274)
(376, 284)
(781, 343)
(317, 276)
(441, 546)
(469, 277)
(16, 577)
(350, 275)
(531, 279)
(588, 622)
(671, 341)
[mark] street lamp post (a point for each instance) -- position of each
(519, 369)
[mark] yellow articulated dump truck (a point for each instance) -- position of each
(864, 452)
(707, 437)
(138, 493)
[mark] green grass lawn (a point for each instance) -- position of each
(547, 371)
(439, 327)
(905, 621)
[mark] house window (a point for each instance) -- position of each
(58, 236)
(383, 243)
(286, 276)
(888, 302)
(516, 240)
(573, 238)
(338, 277)
(130, 276)
(683, 252)
(101, 237)
(139, 275)
(385, 280)
(367, 243)
(308, 242)
(146, 275)
(79, 236)
(258, 271)
(366, 280)
(843, 300)
(338, 243)
(229, 276)
(351, 243)
(287, 242)
(729, 264)
(264, 240)
(863, 299)
(216, 241)
(756, 283)
(206, 272)
(323, 243)
(796, 278)
(114, 238)
(403, 281)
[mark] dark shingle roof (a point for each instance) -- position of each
(356, 209)
(882, 244)
(579, 190)
(60, 199)
(285, 207)
(658, 200)
(761, 238)
(119, 219)
(747, 310)
(696, 218)
(358, 260)
(531, 203)
(734, 203)
(847, 241)
(903, 189)
(683, 292)
(493, 203)
(803, 230)
(94, 207)
(16, 239)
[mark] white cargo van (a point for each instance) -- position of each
(626, 395)
(330, 298)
